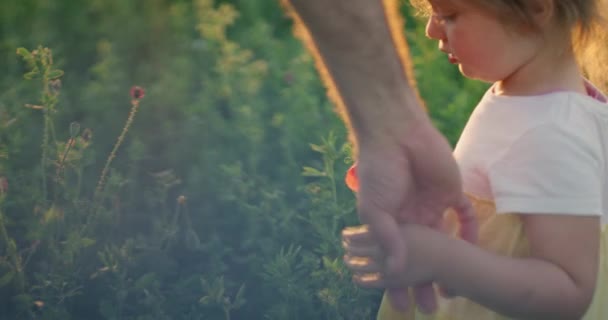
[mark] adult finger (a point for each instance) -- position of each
(357, 235)
(399, 298)
(362, 264)
(363, 251)
(369, 280)
(467, 220)
(425, 298)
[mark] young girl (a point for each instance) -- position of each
(534, 161)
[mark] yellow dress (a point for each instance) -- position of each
(502, 234)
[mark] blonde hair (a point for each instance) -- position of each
(584, 20)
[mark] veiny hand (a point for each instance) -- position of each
(413, 179)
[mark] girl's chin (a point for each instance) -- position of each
(464, 71)
(471, 75)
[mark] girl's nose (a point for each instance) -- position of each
(433, 29)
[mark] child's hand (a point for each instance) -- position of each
(366, 259)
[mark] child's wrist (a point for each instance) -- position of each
(434, 251)
(443, 260)
(424, 251)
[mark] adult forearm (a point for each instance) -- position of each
(524, 288)
(361, 52)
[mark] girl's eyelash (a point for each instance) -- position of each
(444, 17)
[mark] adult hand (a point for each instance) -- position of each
(362, 56)
(412, 179)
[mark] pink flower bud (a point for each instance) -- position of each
(137, 92)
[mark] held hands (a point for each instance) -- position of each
(411, 179)
(406, 173)
(364, 256)
(366, 259)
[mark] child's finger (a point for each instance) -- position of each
(361, 264)
(446, 293)
(467, 220)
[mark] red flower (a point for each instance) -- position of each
(137, 92)
(351, 178)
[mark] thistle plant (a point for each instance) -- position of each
(40, 62)
(74, 130)
(137, 93)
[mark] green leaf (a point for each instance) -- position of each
(7, 278)
(239, 301)
(148, 280)
(312, 172)
(54, 74)
(24, 53)
(52, 214)
(206, 300)
(30, 75)
(86, 242)
(12, 247)
(317, 148)
(240, 293)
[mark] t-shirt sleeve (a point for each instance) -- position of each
(549, 170)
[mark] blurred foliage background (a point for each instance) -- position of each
(224, 200)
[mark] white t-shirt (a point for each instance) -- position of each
(538, 154)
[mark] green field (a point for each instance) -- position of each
(217, 195)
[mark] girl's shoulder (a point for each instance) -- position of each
(565, 109)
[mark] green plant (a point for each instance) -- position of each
(216, 180)
(216, 295)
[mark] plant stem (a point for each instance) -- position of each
(45, 142)
(13, 255)
(227, 313)
(119, 141)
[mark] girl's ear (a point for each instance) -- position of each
(543, 11)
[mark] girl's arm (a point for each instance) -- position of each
(556, 282)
